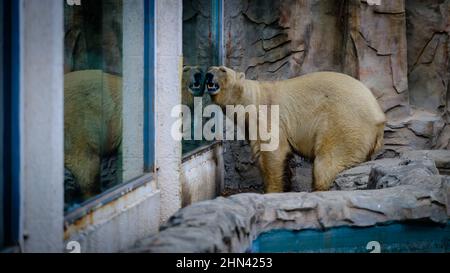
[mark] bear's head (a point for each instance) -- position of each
(193, 80)
(224, 85)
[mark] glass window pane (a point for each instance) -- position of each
(200, 50)
(104, 98)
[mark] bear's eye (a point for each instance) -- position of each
(222, 69)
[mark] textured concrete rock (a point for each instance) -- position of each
(377, 52)
(440, 157)
(406, 172)
(411, 167)
(357, 178)
(428, 60)
(400, 189)
(301, 179)
(231, 224)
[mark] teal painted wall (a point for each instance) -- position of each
(396, 237)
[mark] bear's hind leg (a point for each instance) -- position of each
(325, 171)
(327, 165)
(86, 170)
(273, 166)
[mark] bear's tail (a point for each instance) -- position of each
(378, 140)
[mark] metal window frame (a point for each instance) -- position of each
(10, 91)
(149, 85)
(118, 191)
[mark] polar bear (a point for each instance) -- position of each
(92, 125)
(93, 121)
(192, 84)
(329, 117)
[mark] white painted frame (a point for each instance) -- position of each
(169, 21)
(41, 126)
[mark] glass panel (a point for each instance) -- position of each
(200, 50)
(103, 96)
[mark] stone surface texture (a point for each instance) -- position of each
(408, 188)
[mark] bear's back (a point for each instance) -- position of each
(92, 109)
(337, 92)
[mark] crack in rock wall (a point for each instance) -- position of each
(399, 49)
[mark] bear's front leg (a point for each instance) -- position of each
(272, 166)
(86, 169)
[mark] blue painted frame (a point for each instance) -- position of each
(1, 127)
(11, 134)
(149, 86)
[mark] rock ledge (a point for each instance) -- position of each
(403, 189)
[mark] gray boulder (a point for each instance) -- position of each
(406, 172)
(357, 178)
(440, 157)
(411, 168)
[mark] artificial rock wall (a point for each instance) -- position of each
(93, 36)
(399, 49)
(197, 43)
